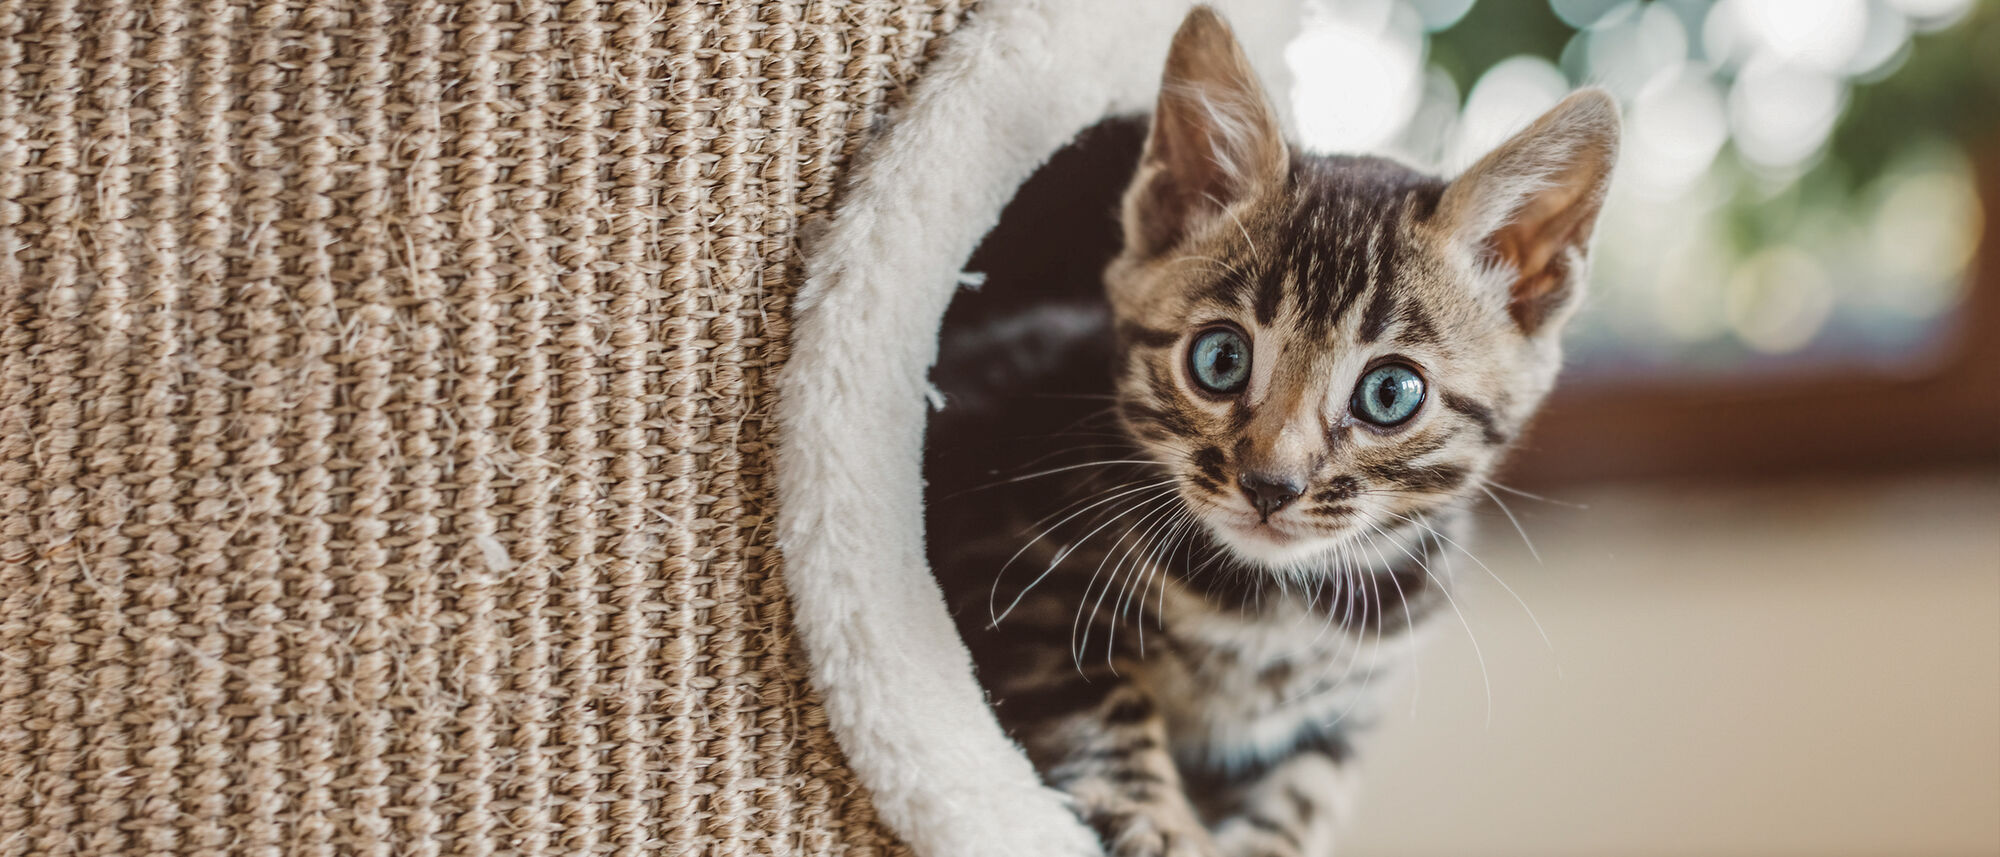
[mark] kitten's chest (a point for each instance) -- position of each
(1237, 687)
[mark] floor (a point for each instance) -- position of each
(1803, 670)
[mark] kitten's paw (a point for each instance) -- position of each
(1146, 836)
(1239, 838)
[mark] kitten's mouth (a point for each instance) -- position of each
(1265, 531)
(1274, 543)
(1270, 543)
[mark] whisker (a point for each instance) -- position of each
(1374, 653)
(1341, 569)
(1347, 663)
(1375, 585)
(993, 593)
(1496, 579)
(1102, 397)
(1517, 524)
(1520, 493)
(1100, 413)
(1155, 567)
(1410, 624)
(1074, 503)
(1125, 588)
(1445, 590)
(1076, 646)
(1053, 471)
(1188, 540)
(1068, 450)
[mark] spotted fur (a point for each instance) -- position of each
(1188, 664)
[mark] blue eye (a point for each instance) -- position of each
(1219, 360)
(1389, 394)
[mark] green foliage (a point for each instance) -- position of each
(1948, 88)
(1495, 30)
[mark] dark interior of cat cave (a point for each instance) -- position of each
(1024, 351)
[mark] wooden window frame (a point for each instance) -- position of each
(1945, 414)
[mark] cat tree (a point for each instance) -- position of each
(392, 432)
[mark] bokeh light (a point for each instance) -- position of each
(1633, 47)
(1923, 233)
(1933, 14)
(1778, 299)
(1887, 36)
(1359, 69)
(1729, 106)
(1780, 114)
(1441, 14)
(1673, 131)
(1817, 34)
(1507, 97)
(1583, 13)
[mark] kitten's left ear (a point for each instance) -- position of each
(1214, 140)
(1529, 206)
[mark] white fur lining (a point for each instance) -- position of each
(1008, 90)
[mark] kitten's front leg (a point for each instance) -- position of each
(1112, 757)
(1293, 809)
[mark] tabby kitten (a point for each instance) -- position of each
(1311, 363)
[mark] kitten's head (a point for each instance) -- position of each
(1319, 346)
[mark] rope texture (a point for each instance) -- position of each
(384, 459)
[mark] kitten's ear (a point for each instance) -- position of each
(1528, 207)
(1214, 139)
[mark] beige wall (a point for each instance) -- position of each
(1802, 670)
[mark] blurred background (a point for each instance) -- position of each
(1756, 535)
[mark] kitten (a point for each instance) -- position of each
(1311, 364)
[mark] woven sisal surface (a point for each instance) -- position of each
(384, 464)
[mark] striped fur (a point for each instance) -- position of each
(1187, 665)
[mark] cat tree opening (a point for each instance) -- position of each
(1007, 93)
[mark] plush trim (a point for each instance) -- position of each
(1008, 90)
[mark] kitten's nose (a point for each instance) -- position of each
(1269, 493)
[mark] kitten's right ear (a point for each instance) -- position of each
(1214, 139)
(1527, 209)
